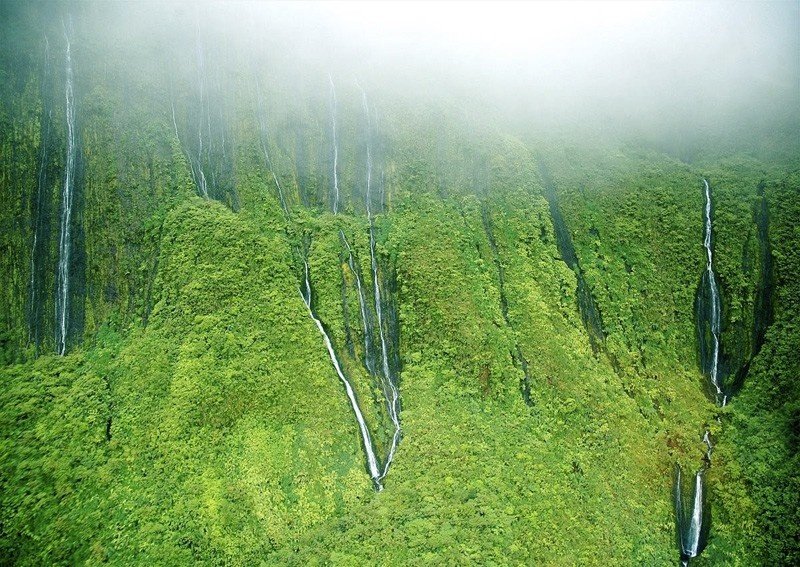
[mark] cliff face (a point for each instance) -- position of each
(537, 315)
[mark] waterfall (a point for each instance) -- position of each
(692, 531)
(389, 386)
(365, 106)
(305, 293)
(696, 522)
(64, 242)
(335, 148)
(714, 313)
(204, 144)
(372, 462)
(709, 446)
(393, 397)
(188, 157)
(202, 184)
(264, 139)
(368, 361)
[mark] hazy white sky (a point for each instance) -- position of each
(497, 28)
(635, 61)
(734, 38)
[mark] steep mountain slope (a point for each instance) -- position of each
(545, 396)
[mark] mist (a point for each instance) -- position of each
(384, 282)
(671, 74)
(655, 69)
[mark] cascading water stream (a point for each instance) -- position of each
(697, 516)
(693, 534)
(709, 446)
(220, 109)
(305, 293)
(714, 314)
(189, 159)
(202, 184)
(690, 530)
(335, 148)
(65, 240)
(368, 362)
(264, 138)
(390, 387)
(372, 461)
(393, 397)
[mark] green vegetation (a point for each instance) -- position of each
(197, 417)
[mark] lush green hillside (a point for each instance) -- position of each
(197, 418)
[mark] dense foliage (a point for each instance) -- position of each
(197, 417)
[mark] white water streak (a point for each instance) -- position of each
(189, 159)
(696, 523)
(372, 461)
(362, 305)
(715, 301)
(390, 389)
(709, 445)
(335, 148)
(201, 179)
(263, 134)
(305, 294)
(64, 248)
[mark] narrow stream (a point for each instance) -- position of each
(202, 184)
(335, 147)
(389, 380)
(372, 461)
(67, 194)
(373, 467)
(714, 309)
(693, 531)
(264, 139)
(369, 362)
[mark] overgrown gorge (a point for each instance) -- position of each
(267, 302)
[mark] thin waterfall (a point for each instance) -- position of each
(306, 294)
(390, 388)
(189, 159)
(264, 138)
(692, 527)
(220, 108)
(692, 532)
(174, 122)
(64, 242)
(715, 311)
(679, 512)
(709, 446)
(696, 521)
(372, 461)
(335, 148)
(34, 302)
(202, 184)
(204, 143)
(368, 361)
